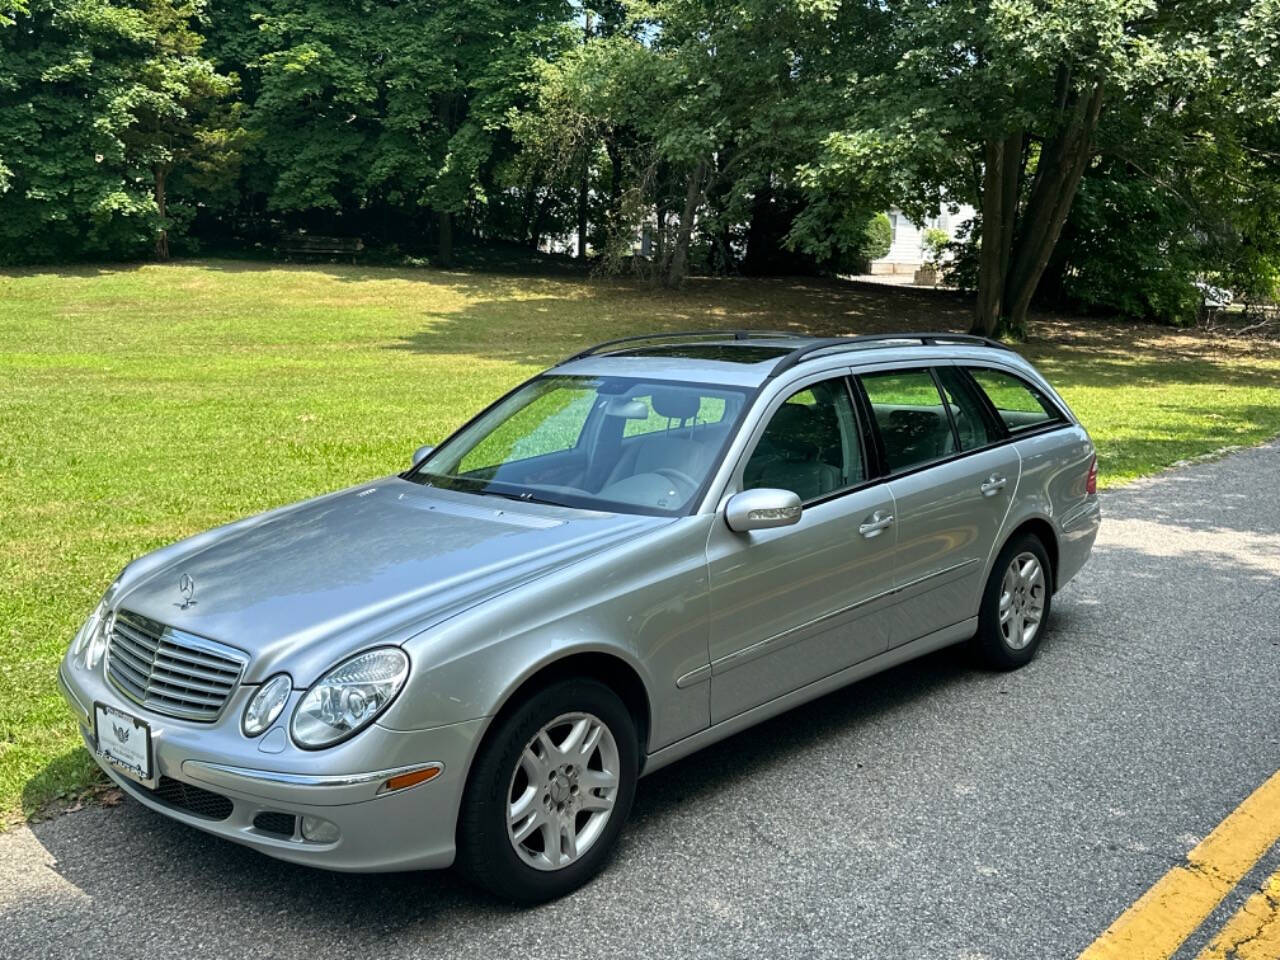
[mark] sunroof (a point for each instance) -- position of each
(727, 352)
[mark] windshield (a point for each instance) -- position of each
(604, 443)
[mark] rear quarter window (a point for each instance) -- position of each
(1020, 405)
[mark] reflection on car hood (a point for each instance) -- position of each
(300, 587)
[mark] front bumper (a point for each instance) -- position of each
(408, 829)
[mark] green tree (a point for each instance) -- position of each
(10, 9)
(388, 107)
(1001, 103)
(96, 106)
(181, 118)
(704, 110)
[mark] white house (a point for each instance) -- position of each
(907, 252)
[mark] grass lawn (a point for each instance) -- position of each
(141, 404)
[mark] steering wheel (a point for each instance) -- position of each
(679, 476)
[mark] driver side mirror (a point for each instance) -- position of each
(421, 454)
(762, 509)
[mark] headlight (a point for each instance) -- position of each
(265, 705)
(348, 698)
(91, 640)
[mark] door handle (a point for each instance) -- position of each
(878, 523)
(993, 485)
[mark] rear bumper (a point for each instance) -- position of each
(1076, 535)
(408, 829)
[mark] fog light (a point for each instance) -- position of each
(317, 830)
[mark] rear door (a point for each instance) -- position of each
(952, 477)
(792, 605)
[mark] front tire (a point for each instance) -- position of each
(549, 793)
(1015, 605)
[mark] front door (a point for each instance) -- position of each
(795, 604)
(952, 482)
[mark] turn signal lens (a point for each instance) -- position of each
(265, 705)
(91, 640)
(410, 779)
(1091, 485)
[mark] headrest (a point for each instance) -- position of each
(675, 404)
(796, 430)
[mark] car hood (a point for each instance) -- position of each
(299, 588)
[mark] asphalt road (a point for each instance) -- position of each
(935, 811)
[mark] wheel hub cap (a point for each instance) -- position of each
(1022, 598)
(562, 791)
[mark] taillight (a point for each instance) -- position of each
(1091, 485)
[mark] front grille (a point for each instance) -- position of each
(193, 800)
(169, 671)
(281, 824)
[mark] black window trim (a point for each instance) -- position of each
(995, 426)
(1005, 437)
(886, 472)
(1057, 415)
(942, 399)
(871, 459)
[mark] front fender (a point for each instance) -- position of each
(643, 602)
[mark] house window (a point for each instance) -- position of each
(893, 227)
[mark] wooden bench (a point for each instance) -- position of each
(307, 245)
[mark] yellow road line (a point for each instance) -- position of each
(1254, 932)
(1168, 913)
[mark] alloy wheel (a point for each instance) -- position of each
(1022, 596)
(562, 791)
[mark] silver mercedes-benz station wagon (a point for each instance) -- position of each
(649, 547)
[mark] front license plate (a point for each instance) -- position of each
(123, 740)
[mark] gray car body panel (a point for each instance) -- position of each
(721, 629)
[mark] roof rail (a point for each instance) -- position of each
(682, 335)
(925, 339)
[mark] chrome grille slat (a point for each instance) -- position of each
(177, 696)
(130, 684)
(177, 683)
(136, 635)
(141, 654)
(170, 652)
(222, 681)
(170, 671)
(138, 671)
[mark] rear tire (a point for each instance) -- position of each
(1015, 605)
(549, 793)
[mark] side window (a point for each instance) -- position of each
(1020, 405)
(810, 444)
(971, 422)
(913, 423)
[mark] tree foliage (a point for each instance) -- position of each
(100, 101)
(1117, 151)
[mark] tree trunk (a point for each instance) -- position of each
(446, 239)
(539, 215)
(679, 263)
(999, 213)
(1069, 154)
(162, 235)
(760, 232)
(1016, 245)
(582, 212)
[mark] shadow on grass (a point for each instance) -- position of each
(70, 773)
(540, 322)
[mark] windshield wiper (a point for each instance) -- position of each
(519, 497)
